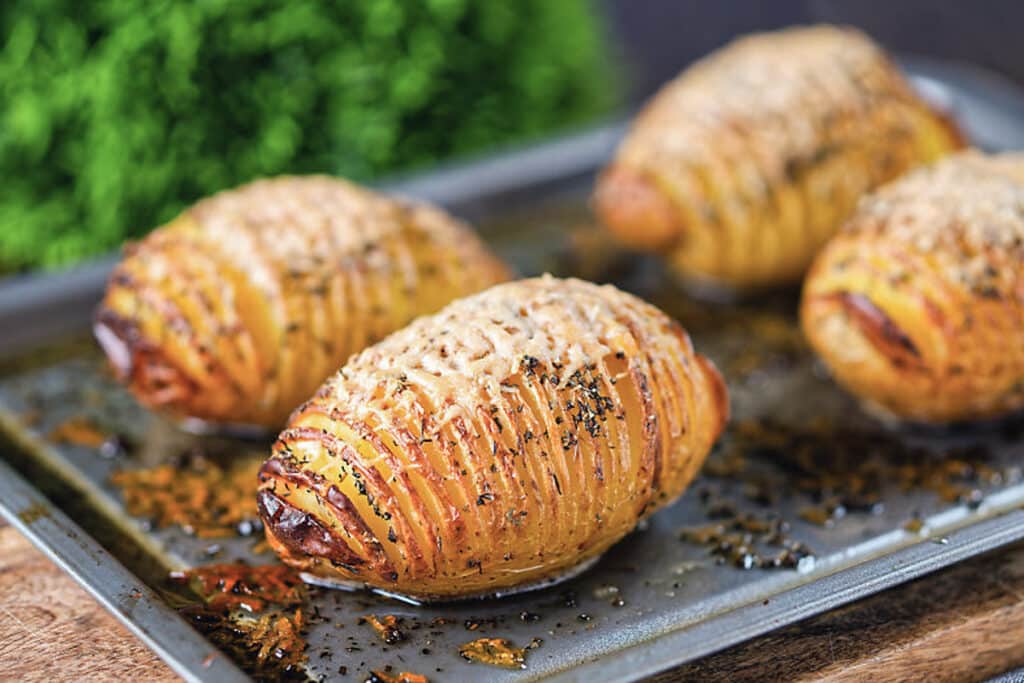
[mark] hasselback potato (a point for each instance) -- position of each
(917, 305)
(238, 309)
(502, 443)
(743, 166)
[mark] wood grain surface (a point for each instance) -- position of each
(965, 623)
(52, 630)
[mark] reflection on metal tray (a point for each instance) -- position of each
(806, 504)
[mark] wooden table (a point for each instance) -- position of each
(52, 630)
(962, 624)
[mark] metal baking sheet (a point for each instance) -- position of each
(657, 599)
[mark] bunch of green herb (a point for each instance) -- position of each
(114, 114)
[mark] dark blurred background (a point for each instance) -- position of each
(658, 37)
(116, 114)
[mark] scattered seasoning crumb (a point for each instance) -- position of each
(261, 546)
(387, 627)
(848, 468)
(201, 497)
(605, 592)
(34, 512)
(841, 470)
(824, 514)
(685, 567)
(232, 586)
(269, 645)
(114, 446)
(387, 677)
(750, 542)
(494, 651)
(914, 525)
(78, 431)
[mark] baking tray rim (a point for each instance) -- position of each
(120, 592)
(44, 306)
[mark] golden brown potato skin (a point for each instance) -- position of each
(237, 310)
(741, 168)
(499, 443)
(917, 305)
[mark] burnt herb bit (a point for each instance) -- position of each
(495, 652)
(749, 542)
(825, 513)
(78, 431)
(402, 677)
(914, 525)
(388, 627)
(845, 469)
(202, 497)
(270, 646)
(226, 587)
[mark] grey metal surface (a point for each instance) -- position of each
(1009, 677)
(677, 603)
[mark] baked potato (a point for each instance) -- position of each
(917, 305)
(740, 169)
(500, 444)
(239, 308)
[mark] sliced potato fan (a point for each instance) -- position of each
(917, 306)
(739, 170)
(499, 444)
(239, 308)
